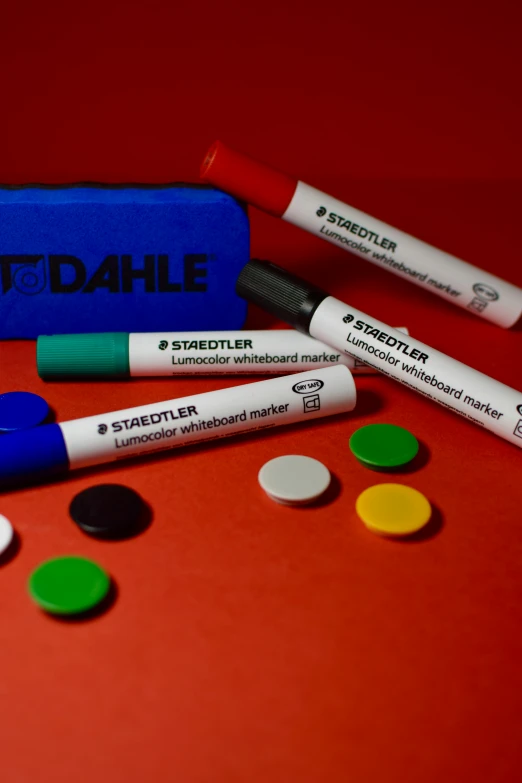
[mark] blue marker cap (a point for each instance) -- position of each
(37, 452)
(21, 410)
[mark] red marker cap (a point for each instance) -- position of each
(247, 179)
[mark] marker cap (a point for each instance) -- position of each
(104, 355)
(247, 179)
(40, 451)
(20, 410)
(280, 293)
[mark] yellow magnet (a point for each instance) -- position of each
(393, 509)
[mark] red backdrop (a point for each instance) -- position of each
(248, 641)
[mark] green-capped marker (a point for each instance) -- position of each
(383, 445)
(104, 355)
(68, 585)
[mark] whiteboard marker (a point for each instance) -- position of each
(470, 393)
(124, 355)
(57, 448)
(451, 278)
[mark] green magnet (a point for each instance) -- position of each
(68, 585)
(383, 445)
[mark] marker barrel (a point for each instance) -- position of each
(470, 393)
(53, 448)
(455, 280)
(122, 355)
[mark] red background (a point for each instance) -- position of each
(249, 641)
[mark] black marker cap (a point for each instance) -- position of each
(279, 292)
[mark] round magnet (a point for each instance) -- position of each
(294, 479)
(383, 445)
(108, 510)
(68, 585)
(21, 410)
(6, 533)
(393, 509)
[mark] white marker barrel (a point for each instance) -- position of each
(164, 425)
(451, 278)
(470, 393)
(231, 353)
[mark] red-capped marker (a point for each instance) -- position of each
(278, 194)
(248, 180)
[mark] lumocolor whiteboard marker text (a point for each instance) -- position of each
(56, 448)
(124, 355)
(470, 393)
(457, 281)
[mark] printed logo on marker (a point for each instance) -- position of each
(304, 387)
(102, 429)
(311, 403)
(321, 211)
(486, 292)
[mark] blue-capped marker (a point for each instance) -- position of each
(21, 410)
(56, 448)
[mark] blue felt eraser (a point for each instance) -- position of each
(133, 258)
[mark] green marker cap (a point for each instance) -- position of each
(104, 355)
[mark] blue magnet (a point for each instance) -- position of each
(21, 410)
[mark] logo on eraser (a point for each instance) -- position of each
(67, 274)
(26, 273)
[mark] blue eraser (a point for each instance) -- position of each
(133, 258)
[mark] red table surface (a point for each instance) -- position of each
(250, 641)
